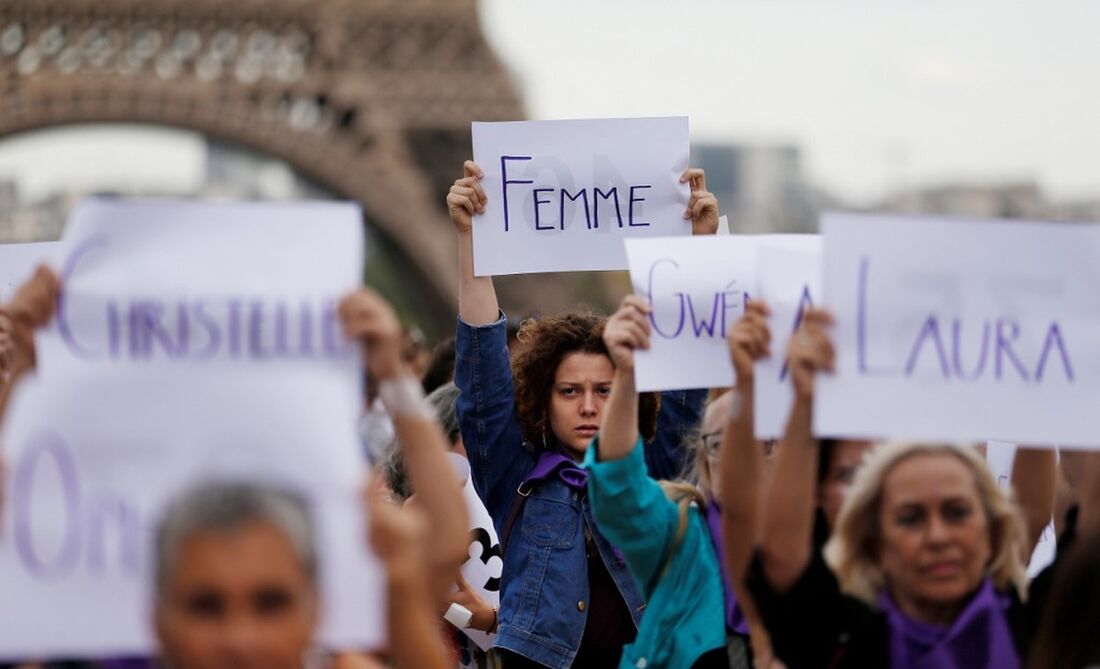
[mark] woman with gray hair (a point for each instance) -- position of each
(236, 577)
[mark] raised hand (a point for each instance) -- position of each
(627, 330)
(31, 308)
(750, 340)
(702, 208)
(810, 351)
(368, 317)
(485, 617)
(467, 197)
(398, 536)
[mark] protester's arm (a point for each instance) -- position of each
(629, 506)
(1088, 520)
(31, 308)
(631, 509)
(477, 299)
(400, 538)
(487, 419)
(355, 661)
(626, 330)
(787, 534)
(741, 462)
(369, 318)
(1034, 478)
(742, 468)
(682, 410)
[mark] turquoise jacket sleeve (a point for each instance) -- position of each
(631, 510)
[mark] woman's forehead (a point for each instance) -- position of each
(928, 476)
(578, 366)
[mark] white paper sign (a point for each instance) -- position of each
(193, 341)
(17, 263)
(562, 195)
(486, 563)
(789, 279)
(698, 287)
(962, 330)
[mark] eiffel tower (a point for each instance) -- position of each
(372, 99)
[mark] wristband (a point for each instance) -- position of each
(459, 616)
(404, 396)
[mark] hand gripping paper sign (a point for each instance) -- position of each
(562, 195)
(17, 263)
(192, 342)
(788, 271)
(697, 288)
(962, 330)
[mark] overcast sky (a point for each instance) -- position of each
(878, 93)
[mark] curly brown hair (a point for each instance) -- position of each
(543, 344)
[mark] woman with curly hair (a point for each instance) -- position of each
(567, 596)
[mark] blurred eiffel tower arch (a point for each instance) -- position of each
(372, 99)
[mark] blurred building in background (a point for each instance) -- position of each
(761, 188)
(1023, 199)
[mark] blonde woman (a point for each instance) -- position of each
(925, 564)
(658, 528)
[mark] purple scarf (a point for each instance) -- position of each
(978, 639)
(566, 468)
(735, 618)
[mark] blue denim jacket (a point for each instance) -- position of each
(544, 585)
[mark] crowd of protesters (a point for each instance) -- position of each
(635, 529)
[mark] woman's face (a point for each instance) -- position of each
(718, 414)
(237, 599)
(846, 458)
(582, 383)
(934, 532)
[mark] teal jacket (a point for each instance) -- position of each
(685, 611)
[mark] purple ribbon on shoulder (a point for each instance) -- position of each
(980, 637)
(735, 617)
(549, 464)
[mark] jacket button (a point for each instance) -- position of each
(641, 663)
(580, 605)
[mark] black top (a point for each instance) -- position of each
(609, 625)
(814, 625)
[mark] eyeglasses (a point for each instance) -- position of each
(713, 440)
